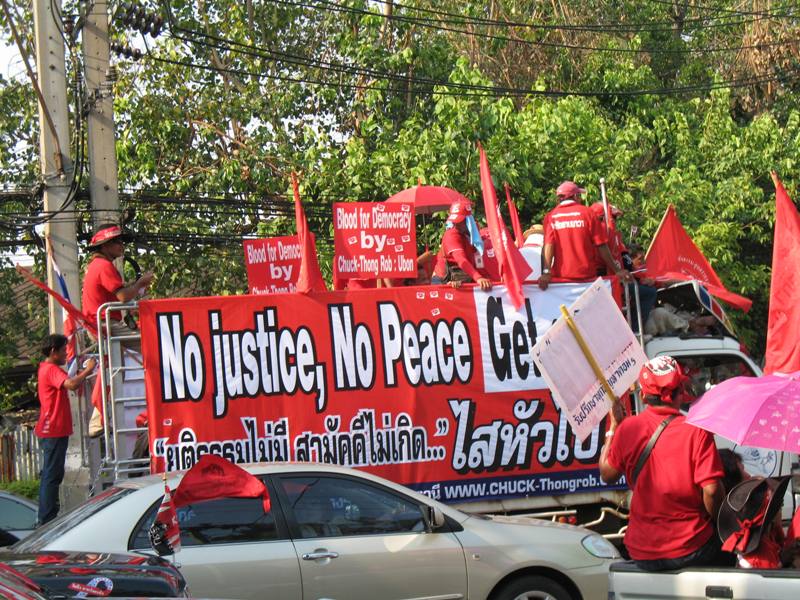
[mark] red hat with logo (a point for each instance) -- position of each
(105, 233)
(459, 210)
(569, 189)
(660, 376)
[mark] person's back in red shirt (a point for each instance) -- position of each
(575, 235)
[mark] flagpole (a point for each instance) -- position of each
(606, 212)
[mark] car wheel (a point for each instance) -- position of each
(533, 588)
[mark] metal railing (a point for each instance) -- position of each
(117, 356)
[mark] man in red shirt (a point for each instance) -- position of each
(103, 282)
(462, 247)
(55, 420)
(678, 491)
(572, 239)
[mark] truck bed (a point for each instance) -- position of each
(628, 582)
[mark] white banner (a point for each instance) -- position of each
(568, 374)
(507, 335)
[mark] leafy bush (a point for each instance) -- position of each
(29, 488)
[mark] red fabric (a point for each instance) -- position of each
(575, 235)
(102, 236)
(71, 309)
(100, 285)
(167, 515)
(360, 284)
(488, 262)
(457, 250)
(310, 277)
(794, 529)
(519, 238)
(667, 515)
(660, 376)
(214, 477)
(673, 255)
(55, 418)
(513, 266)
(768, 553)
(783, 343)
(738, 540)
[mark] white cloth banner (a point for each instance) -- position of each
(570, 377)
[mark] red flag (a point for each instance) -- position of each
(514, 216)
(793, 532)
(673, 255)
(214, 477)
(165, 534)
(73, 312)
(513, 267)
(783, 344)
(310, 277)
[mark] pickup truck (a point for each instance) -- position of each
(628, 582)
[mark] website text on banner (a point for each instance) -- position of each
(428, 386)
(273, 264)
(576, 389)
(374, 239)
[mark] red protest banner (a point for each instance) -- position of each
(272, 264)
(374, 239)
(431, 387)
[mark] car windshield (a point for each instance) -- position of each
(40, 538)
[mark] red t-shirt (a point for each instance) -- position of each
(101, 284)
(667, 516)
(575, 234)
(55, 418)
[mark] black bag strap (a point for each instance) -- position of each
(648, 449)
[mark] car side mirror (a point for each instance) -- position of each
(434, 517)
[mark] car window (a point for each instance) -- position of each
(222, 521)
(707, 371)
(45, 534)
(15, 515)
(338, 506)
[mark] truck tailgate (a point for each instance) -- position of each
(628, 582)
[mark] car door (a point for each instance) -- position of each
(358, 540)
(231, 548)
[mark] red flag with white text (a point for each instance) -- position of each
(783, 343)
(310, 277)
(673, 255)
(215, 477)
(513, 267)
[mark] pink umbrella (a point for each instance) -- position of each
(763, 412)
(428, 199)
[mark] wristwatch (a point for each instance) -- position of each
(545, 271)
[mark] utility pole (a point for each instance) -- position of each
(101, 143)
(54, 150)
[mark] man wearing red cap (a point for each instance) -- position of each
(103, 282)
(462, 247)
(572, 239)
(677, 488)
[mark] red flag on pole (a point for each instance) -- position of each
(214, 477)
(165, 534)
(310, 277)
(513, 267)
(673, 255)
(514, 216)
(783, 343)
(77, 316)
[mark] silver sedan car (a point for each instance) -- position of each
(337, 533)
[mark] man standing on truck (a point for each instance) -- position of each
(461, 257)
(675, 473)
(573, 238)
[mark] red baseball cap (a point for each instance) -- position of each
(104, 234)
(569, 189)
(459, 210)
(660, 376)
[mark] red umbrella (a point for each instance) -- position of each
(428, 199)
